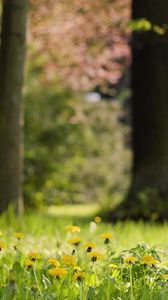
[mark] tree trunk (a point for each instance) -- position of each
(12, 56)
(148, 195)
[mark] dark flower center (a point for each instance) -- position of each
(89, 249)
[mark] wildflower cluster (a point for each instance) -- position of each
(80, 267)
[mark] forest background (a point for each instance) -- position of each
(77, 150)
(83, 66)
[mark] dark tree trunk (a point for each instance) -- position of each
(12, 55)
(148, 195)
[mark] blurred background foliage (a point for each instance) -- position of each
(77, 151)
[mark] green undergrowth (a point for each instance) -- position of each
(66, 253)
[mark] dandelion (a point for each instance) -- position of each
(97, 219)
(19, 235)
(113, 266)
(34, 256)
(75, 241)
(106, 237)
(73, 229)
(57, 272)
(149, 260)
(69, 260)
(29, 263)
(53, 262)
(89, 246)
(79, 276)
(130, 259)
(77, 268)
(95, 255)
(2, 246)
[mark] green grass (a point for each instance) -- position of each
(73, 211)
(45, 232)
(126, 234)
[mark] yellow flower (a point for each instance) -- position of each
(29, 263)
(34, 256)
(75, 241)
(130, 259)
(53, 262)
(165, 276)
(69, 260)
(148, 260)
(89, 246)
(57, 272)
(113, 266)
(73, 228)
(95, 255)
(2, 246)
(98, 219)
(77, 268)
(79, 276)
(19, 235)
(106, 237)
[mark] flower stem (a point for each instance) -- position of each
(37, 282)
(131, 283)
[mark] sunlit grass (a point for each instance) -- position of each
(86, 259)
(54, 219)
(86, 210)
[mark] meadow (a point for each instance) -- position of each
(71, 253)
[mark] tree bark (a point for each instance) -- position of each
(148, 195)
(12, 56)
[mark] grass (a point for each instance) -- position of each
(87, 210)
(109, 274)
